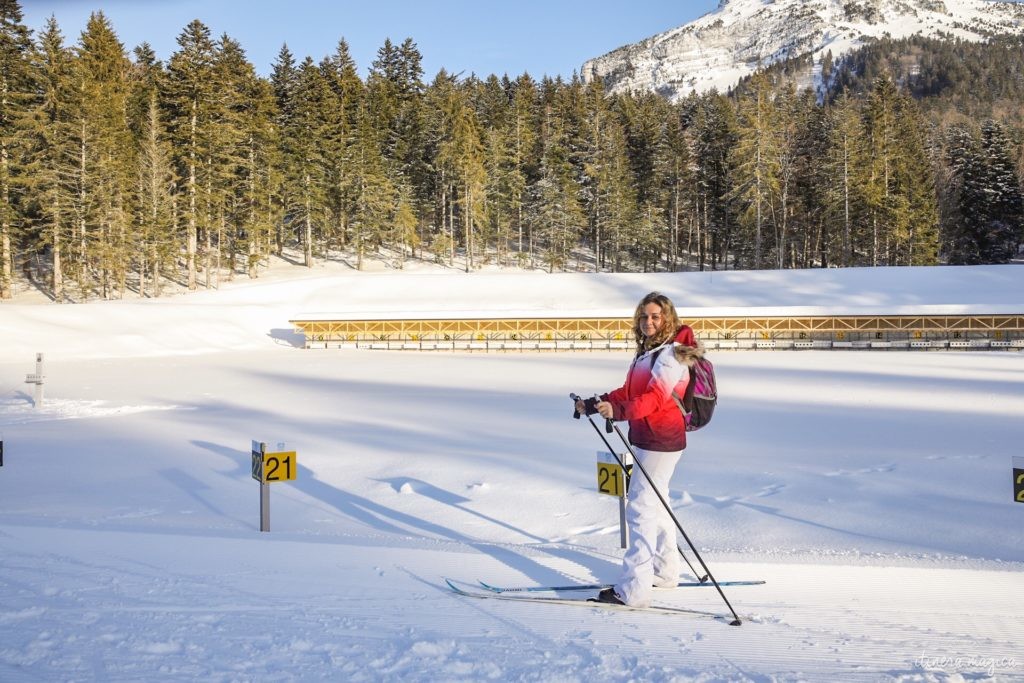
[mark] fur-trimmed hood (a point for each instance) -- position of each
(687, 347)
(688, 355)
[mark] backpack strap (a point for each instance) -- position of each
(681, 404)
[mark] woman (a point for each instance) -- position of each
(657, 431)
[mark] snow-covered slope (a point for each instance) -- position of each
(722, 47)
(252, 316)
(870, 490)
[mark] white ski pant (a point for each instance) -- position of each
(652, 558)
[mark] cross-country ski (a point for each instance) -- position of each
(468, 591)
(600, 586)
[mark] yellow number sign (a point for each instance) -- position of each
(281, 466)
(1018, 485)
(609, 479)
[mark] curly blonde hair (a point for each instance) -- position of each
(669, 327)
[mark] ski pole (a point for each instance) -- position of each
(679, 526)
(608, 428)
(737, 621)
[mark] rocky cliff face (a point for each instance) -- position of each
(721, 47)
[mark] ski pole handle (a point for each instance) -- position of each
(575, 399)
(608, 425)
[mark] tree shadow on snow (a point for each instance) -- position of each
(422, 488)
(385, 519)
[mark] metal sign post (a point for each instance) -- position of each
(612, 481)
(37, 379)
(267, 467)
(258, 450)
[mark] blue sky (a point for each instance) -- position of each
(552, 37)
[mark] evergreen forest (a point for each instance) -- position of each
(122, 173)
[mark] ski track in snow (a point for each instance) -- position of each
(22, 410)
(114, 618)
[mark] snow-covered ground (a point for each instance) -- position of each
(871, 490)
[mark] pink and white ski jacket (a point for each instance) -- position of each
(645, 400)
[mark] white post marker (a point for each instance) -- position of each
(267, 467)
(37, 379)
(612, 481)
(1018, 479)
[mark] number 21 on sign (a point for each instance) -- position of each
(279, 466)
(609, 479)
(270, 467)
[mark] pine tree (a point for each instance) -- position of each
(339, 137)
(960, 183)
(17, 88)
(789, 134)
(261, 174)
(155, 241)
(225, 177)
(395, 93)
(467, 151)
(440, 100)
(385, 85)
(679, 182)
(883, 203)
(522, 140)
(557, 213)
(411, 149)
(1004, 213)
(284, 79)
(666, 148)
(645, 120)
(810, 182)
(51, 153)
(243, 152)
(188, 96)
(983, 216)
(756, 161)
(846, 169)
(374, 195)
(916, 242)
(105, 156)
(607, 188)
(493, 110)
(305, 164)
(714, 135)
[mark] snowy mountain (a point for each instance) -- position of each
(725, 45)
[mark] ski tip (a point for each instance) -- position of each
(493, 589)
(453, 586)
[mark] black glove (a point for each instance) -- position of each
(591, 405)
